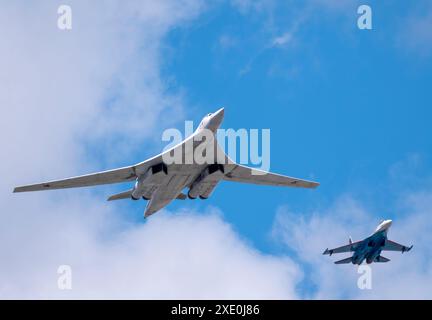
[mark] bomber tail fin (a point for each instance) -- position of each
(344, 261)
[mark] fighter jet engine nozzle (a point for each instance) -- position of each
(204, 185)
(144, 184)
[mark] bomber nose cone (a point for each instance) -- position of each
(219, 114)
(217, 118)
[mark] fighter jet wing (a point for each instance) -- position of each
(104, 177)
(241, 173)
(347, 248)
(393, 246)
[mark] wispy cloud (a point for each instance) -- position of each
(415, 34)
(227, 41)
(282, 40)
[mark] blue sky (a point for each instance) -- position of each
(348, 108)
(343, 104)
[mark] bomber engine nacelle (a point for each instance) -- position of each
(148, 182)
(204, 185)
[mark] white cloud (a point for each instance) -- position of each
(170, 256)
(100, 83)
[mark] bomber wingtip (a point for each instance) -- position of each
(312, 184)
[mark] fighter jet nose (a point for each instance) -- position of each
(386, 224)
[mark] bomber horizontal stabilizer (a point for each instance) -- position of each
(121, 195)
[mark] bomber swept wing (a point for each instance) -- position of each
(124, 174)
(240, 173)
(104, 177)
(245, 174)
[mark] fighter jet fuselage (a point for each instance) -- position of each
(370, 248)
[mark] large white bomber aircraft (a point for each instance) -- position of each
(161, 179)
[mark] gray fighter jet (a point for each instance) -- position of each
(161, 179)
(370, 248)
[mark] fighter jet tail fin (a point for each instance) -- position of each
(344, 261)
(381, 259)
